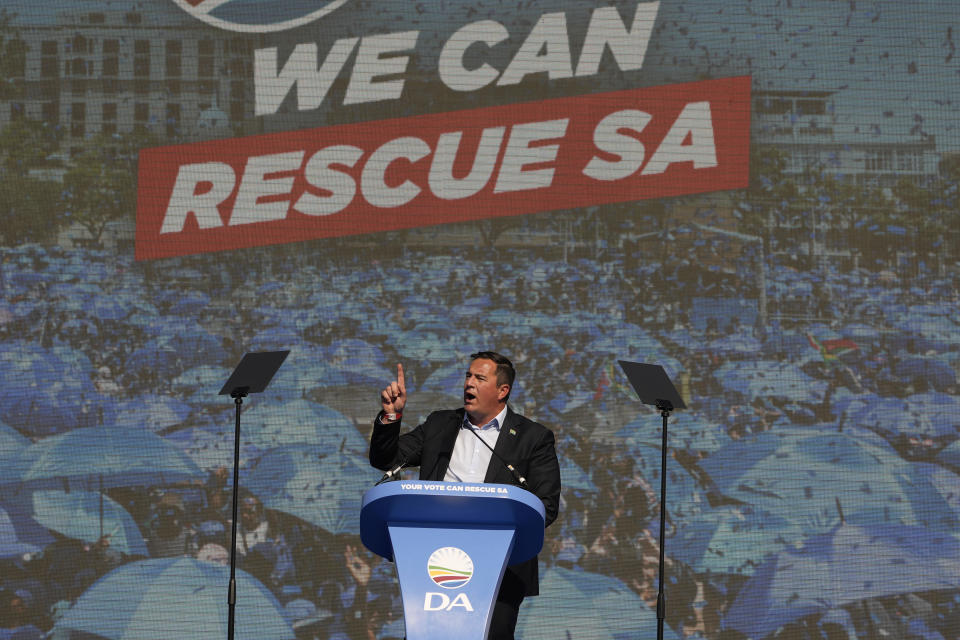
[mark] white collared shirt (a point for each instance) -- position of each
(470, 459)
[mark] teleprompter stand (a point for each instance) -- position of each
(653, 386)
(252, 375)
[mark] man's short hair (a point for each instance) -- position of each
(505, 371)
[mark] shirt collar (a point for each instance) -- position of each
(495, 424)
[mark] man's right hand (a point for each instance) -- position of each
(394, 397)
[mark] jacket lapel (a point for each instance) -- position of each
(506, 445)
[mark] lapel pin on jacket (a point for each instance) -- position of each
(513, 432)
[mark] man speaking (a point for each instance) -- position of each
(482, 442)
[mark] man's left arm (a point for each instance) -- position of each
(543, 474)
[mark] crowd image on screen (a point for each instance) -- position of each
(840, 352)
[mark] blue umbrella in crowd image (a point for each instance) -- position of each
(151, 323)
(689, 430)
(685, 494)
(89, 516)
(313, 483)
(11, 440)
(275, 338)
(731, 539)
(19, 533)
(271, 424)
(152, 412)
(6, 313)
(290, 317)
(11, 466)
(771, 379)
(575, 478)
(447, 378)
(801, 475)
(181, 598)
(175, 351)
(159, 358)
(861, 332)
(567, 401)
(791, 344)
(736, 344)
(935, 372)
(105, 307)
(110, 456)
(46, 390)
(201, 385)
(189, 303)
(635, 336)
(950, 456)
(427, 347)
(928, 326)
(379, 325)
(944, 482)
(924, 415)
(311, 368)
(352, 350)
(848, 564)
(304, 370)
(580, 604)
(198, 342)
(210, 445)
(80, 325)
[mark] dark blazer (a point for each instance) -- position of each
(527, 445)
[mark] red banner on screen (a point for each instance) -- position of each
(448, 167)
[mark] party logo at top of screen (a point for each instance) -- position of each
(258, 16)
(450, 567)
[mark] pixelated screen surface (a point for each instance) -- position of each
(760, 196)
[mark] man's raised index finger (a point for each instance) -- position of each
(400, 377)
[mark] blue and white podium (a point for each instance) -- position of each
(451, 543)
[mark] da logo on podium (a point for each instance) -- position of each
(258, 16)
(450, 568)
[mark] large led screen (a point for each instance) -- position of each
(761, 196)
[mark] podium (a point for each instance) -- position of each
(451, 543)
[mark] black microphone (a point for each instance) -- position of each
(403, 462)
(516, 475)
(389, 474)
